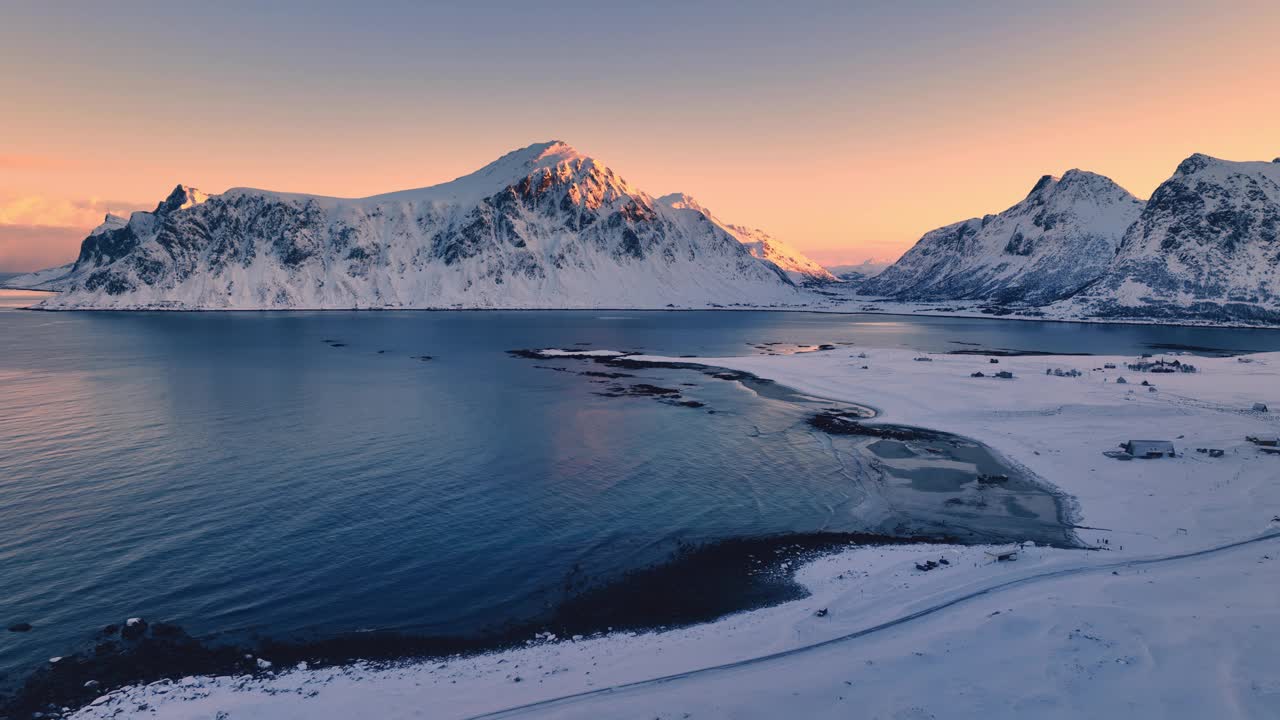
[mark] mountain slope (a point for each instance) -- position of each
(1207, 247)
(543, 226)
(47, 279)
(864, 270)
(1058, 239)
(760, 244)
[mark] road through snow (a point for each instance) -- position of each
(924, 612)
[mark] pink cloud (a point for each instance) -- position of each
(38, 231)
(60, 212)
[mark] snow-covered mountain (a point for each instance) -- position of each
(860, 272)
(541, 227)
(1057, 240)
(760, 243)
(1206, 247)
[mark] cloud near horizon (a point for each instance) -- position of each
(61, 212)
(37, 232)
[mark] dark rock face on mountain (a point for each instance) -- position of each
(1059, 239)
(1207, 247)
(540, 227)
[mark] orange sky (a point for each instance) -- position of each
(848, 132)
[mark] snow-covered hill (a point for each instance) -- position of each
(760, 243)
(47, 279)
(541, 227)
(1206, 247)
(860, 272)
(1057, 240)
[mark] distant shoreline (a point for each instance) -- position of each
(814, 311)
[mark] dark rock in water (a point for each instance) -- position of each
(20, 627)
(133, 629)
(994, 361)
(647, 389)
(77, 679)
(422, 358)
(337, 345)
(821, 612)
(688, 403)
(110, 630)
(599, 374)
(840, 423)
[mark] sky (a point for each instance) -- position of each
(848, 129)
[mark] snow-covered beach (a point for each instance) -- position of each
(1173, 615)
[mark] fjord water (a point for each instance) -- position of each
(289, 472)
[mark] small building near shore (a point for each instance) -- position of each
(1003, 554)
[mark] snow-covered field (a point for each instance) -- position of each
(1174, 616)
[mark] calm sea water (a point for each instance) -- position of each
(236, 472)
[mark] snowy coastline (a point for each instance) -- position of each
(1132, 628)
(819, 303)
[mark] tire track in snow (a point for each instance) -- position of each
(896, 622)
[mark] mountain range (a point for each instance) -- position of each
(541, 227)
(547, 227)
(1053, 243)
(1205, 247)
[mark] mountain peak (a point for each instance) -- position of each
(553, 148)
(1045, 182)
(506, 170)
(181, 198)
(1070, 178)
(1194, 164)
(537, 155)
(109, 222)
(1075, 175)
